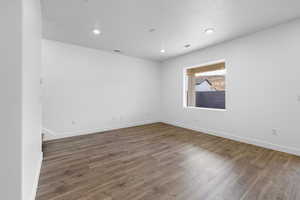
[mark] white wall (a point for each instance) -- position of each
(262, 89)
(31, 97)
(10, 100)
(87, 90)
(20, 116)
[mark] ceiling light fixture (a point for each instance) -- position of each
(117, 50)
(96, 32)
(162, 51)
(187, 46)
(209, 31)
(152, 30)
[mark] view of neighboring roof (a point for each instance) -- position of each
(199, 81)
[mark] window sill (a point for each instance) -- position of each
(202, 108)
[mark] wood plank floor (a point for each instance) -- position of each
(164, 162)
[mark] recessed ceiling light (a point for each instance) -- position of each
(152, 30)
(96, 31)
(117, 50)
(209, 31)
(162, 51)
(187, 46)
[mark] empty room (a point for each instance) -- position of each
(150, 100)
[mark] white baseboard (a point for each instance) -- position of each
(48, 133)
(255, 142)
(37, 177)
(52, 135)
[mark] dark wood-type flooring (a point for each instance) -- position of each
(164, 162)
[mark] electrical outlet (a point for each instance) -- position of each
(274, 132)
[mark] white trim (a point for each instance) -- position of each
(48, 133)
(37, 177)
(202, 108)
(255, 142)
(252, 141)
(52, 135)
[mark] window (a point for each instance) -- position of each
(205, 86)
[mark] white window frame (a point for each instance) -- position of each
(184, 92)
